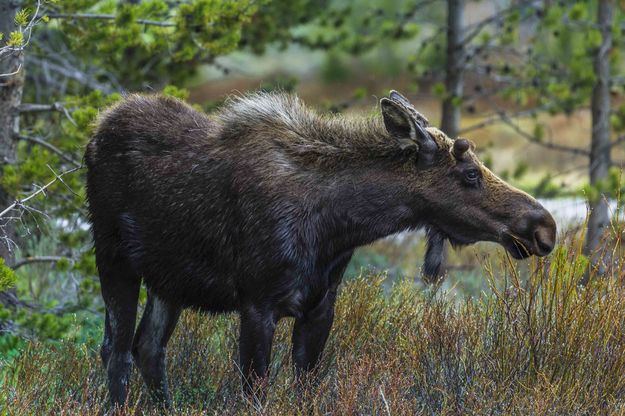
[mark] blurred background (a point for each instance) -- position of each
(537, 85)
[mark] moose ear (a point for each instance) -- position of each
(395, 96)
(399, 123)
(420, 118)
(402, 125)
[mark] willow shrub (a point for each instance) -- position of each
(536, 343)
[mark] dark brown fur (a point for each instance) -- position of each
(258, 209)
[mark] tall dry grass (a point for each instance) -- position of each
(537, 343)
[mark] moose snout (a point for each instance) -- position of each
(532, 233)
(541, 232)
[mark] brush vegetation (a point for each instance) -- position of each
(536, 343)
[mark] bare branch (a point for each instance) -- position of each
(72, 73)
(20, 202)
(497, 119)
(549, 145)
(38, 108)
(477, 27)
(99, 16)
(9, 74)
(37, 259)
(617, 141)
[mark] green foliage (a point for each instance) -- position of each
(16, 39)
(173, 91)
(21, 17)
(273, 22)
(487, 160)
(617, 119)
(520, 170)
(7, 276)
(539, 131)
(611, 187)
(210, 27)
(335, 67)
(438, 90)
(279, 83)
(546, 188)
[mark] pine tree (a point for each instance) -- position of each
(60, 63)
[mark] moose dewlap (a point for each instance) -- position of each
(258, 209)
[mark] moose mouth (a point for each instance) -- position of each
(518, 248)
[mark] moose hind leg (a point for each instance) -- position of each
(107, 342)
(120, 291)
(149, 347)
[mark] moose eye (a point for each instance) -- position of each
(472, 176)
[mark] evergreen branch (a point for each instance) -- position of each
(50, 147)
(8, 50)
(99, 16)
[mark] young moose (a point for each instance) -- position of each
(258, 210)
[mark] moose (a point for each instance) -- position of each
(257, 209)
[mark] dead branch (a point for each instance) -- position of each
(477, 27)
(41, 108)
(549, 145)
(20, 203)
(100, 16)
(497, 119)
(37, 259)
(72, 73)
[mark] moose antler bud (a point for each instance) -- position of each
(461, 146)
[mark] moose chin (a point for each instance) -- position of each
(258, 208)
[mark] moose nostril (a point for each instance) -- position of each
(543, 243)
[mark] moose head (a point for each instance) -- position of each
(464, 201)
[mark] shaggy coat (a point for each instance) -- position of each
(258, 208)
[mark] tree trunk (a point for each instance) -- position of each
(454, 83)
(600, 146)
(10, 98)
(454, 68)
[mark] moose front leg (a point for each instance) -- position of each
(310, 334)
(311, 331)
(257, 329)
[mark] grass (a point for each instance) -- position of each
(535, 343)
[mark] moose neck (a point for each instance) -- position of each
(363, 207)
